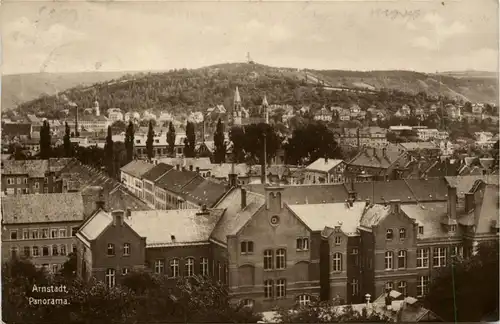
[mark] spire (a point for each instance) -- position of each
(264, 102)
(237, 98)
(265, 106)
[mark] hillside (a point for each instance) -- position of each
(187, 90)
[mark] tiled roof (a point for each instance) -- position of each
(373, 215)
(96, 225)
(366, 157)
(42, 208)
(206, 192)
(175, 180)
(137, 168)
(202, 163)
(57, 164)
(122, 199)
(324, 165)
(429, 190)
(157, 171)
(235, 217)
(486, 210)
(312, 194)
(382, 191)
(319, 216)
(33, 168)
(465, 183)
(428, 215)
(158, 226)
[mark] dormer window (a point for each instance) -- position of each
(453, 228)
(421, 230)
(338, 240)
(389, 235)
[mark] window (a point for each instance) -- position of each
(45, 233)
(304, 300)
(174, 268)
(26, 234)
(389, 255)
(439, 257)
(126, 249)
(189, 267)
(34, 234)
(204, 266)
(35, 251)
(62, 249)
(45, 251)
(55, 250)
(248, 303)
(19, 181)
(53, 233)
(401, 259)
(246, 247)
(268, 289)
(280, 288)
(422, 286)
(302, 244)
(402, 288)
(111, 249)
(13, 235)
(337, 262)
(13, 252)
(355, 257)
(280, 259)
(355, 287)
(25, 181)
(338, 240)
(73, 248)
(27, 251)
(453, 228)
(159, 266)
(421, 230)
(62, 232)
(268, 259)
(10, 181)
(10, 191)
(125, 271)
(402, 233)
(389, 286)
(110, 278)
(422, 258)
(37, 185)
(55, 268)
(389, 234)
(73, 231)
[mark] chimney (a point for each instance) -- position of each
(367, 204)
(204, 210)
(374, 152)
(350, 202)
(191, 167)
(395, 205)
(233, 179)
(117, 217)
(197, 169)
(384, 152)
(367, 298)
(243, 198)
(177, 167)
(183, 168)
(469, 201)
(129, 213)
(452, 202)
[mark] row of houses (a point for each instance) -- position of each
(277, 245)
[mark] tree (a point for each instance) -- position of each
(454, 296)
(237, 137)
(327, 312)
(149, 142)
(109, 160)
(190, 140)
(69, 267)
(171, 139)
(129, 141)
(45, 140)
(254, 142)
(219, 143)
(118, 127)
(68, 151)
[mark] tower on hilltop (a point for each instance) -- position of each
(249, 59)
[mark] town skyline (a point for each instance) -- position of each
(79, 37)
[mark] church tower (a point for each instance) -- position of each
(265, 110)
(96, 108)
(237, 108)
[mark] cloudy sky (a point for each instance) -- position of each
(425, 36)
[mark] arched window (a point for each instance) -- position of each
(337, 262)
(389, 255)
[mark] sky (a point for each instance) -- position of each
(418, 35)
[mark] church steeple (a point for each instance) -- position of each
(265, 110)
(237, 108)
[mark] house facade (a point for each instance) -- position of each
(131, 176)
(325, 171)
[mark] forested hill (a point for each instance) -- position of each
(185, 90)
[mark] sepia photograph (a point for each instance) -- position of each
(330, 161)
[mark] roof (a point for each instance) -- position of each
(312, 194)
(382, 191)
(223, 169)
(465, 183)
(158, 226)
(202, 163)
(175, 180)
(32, 168)
(206, 192)
(16, 129)
(235, 217)
(429, 216)
(319, 216)
(428, 189)
(323, 165)
(157, 171)
(137, 168)
(374, 215)
(376, 158)
(42, 208)
(96, 225)
(486, 210)
(412, 146)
